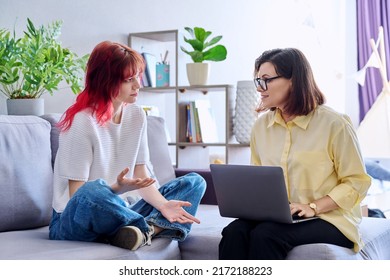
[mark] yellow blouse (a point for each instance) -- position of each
(320, 156)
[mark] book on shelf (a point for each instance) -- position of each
(144, 80)
(207, 123)
(188, 128)
(149, 77)
(201, 125)
(195, 126)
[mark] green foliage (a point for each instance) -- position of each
(203, 50)
(36, 63)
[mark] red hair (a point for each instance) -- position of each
(108, 66)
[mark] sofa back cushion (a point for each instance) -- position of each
(158, 149)
(25, 172)
(53, 119)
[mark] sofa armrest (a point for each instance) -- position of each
(209, 196)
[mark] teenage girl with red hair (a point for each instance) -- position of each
(103, 152)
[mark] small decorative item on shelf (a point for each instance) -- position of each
(34, 64)
(162, 72)
(198, 72)
(217, 159)
(247, 99)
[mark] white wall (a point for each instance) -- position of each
(323, 29)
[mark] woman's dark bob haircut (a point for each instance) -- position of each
(292, 64)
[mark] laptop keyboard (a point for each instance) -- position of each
(296, 217)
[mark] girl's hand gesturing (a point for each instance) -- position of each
(173, 211)
(126, 184)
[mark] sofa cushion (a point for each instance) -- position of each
(202, 242)
(376, 170)
(158, 149)
(53, 119)
(376, 236)
(35, 244)
(25, 172)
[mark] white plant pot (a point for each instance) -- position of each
(198, 73)
(26, 106)
(247, 100)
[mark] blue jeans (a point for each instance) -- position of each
(94, 212)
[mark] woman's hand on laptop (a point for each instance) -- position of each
(319, 206)
(302, 210)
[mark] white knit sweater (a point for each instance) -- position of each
(88, 151)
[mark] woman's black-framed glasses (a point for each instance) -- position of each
(263, 83)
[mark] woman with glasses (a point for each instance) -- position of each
(318, 150)
(103, 152)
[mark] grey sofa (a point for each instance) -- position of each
(28, 146)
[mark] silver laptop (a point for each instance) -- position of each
(252, 192)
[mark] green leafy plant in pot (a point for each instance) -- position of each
(204, 49)
(36, 63)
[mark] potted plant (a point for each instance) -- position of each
(34, 64)
(198, 71)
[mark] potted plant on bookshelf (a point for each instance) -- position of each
(34, 64)
(198, 71)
